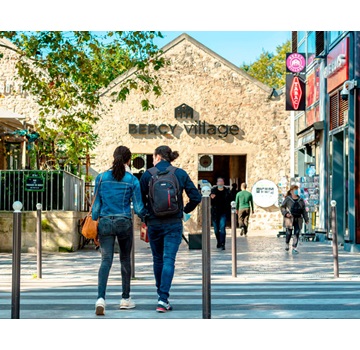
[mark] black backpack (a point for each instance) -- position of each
(164, 196)
(296, 209)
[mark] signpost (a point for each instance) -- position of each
(34, 182)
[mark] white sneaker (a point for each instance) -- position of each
(127, 304)
(100, 307)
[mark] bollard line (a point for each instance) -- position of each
(233, 240)
(16, 261)
(206, 271)
(39, 241)
(334, 239)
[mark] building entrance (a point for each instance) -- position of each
(230, 167)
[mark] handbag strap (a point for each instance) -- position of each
(97, 190)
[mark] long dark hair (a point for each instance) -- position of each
(121, 156)
(166, 153)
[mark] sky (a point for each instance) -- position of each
(238, 47)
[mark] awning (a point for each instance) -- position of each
(11, 120)
(308, 135)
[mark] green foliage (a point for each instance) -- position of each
(269, 68)
(65, 71)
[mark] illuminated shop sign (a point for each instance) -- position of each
(335, 65)
(295, 93)
(337, 69)
(295, 62)
(200, 128)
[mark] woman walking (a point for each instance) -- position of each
(294, 212)
(115, 189)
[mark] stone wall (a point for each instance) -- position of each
(14, 100)
(59, 231)
(219, 93)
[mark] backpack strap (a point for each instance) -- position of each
(153, 171)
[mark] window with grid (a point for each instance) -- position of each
(338, 108)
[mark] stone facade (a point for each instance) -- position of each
(220, 94)
(12, 97)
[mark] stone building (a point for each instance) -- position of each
(222, 121)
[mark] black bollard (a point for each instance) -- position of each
(39, 241)
(133, 244)
(334, 239)
(233, 239)
(206, 271)
(16, 261)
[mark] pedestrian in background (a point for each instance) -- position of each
(115, 189)
(220, 207)
(244, 203)
(166, 210)
(294, 212)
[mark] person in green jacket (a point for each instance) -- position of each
(244, 201)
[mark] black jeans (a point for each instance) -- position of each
(110, 228)
(289, 232)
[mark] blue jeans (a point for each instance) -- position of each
(110, 228)
(297, 230)
(164, 242)
(219, 223)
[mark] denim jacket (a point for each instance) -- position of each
(114, 197)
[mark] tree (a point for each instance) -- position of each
(64, 71)
(269, 68)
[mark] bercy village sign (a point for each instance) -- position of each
(197, 128)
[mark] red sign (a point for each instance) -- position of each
(295, 93)
(337, 69)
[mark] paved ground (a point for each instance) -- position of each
(271, 283)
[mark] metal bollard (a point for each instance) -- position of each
(16, 261)
(233, 239)
(206, 271)
(334, 238)
(39, 241)
(133, 244)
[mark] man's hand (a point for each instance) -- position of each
(288, 215)
(212, 196)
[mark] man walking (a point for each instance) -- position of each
(220, 206)
(162, 190)
(244, 201)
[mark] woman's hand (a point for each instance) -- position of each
(288, 215)
(96, 241)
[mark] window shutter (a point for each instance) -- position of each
(334, 111)
(343, 107)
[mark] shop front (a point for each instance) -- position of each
(222, 122)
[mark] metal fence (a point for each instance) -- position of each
(54, 189)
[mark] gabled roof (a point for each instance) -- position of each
(177, 41)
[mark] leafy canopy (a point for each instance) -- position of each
(64, 71)
(269, 68)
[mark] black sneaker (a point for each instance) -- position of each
(163, 307)
(223, 247)
(218, 245)
(241, 231)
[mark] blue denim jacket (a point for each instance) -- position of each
(114, 197)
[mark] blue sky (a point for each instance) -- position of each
(238, 47)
